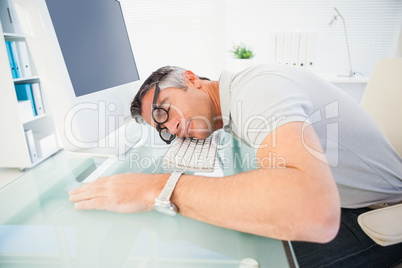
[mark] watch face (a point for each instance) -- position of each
(170, 210)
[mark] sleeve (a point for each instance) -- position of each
(262, 104)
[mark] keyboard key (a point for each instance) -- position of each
(192, 154)
(189, 154)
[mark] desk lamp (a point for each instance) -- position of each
(330, 23)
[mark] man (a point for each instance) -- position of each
(335, 156)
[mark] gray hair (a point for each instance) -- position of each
(167, 76)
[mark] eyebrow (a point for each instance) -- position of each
(162, 102)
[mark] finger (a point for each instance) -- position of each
(89, 193)
(95, 184)
(99, 203)
(78, 190)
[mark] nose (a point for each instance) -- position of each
(173, 125)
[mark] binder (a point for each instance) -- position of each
(294, 56)
(271, 48)
(16, 59)
(25, 111)
(31, 145)
(10, 59)
(303, 49)
(24, 92)
(312, 47)
(280, 40)
(37, 96)
(25, 66)
(288, 49)
(45, 144)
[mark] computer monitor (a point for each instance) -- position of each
(94, 42)
(102, 71)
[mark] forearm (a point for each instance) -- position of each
(266, 202)
(299, 202)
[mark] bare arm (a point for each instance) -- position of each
(296, 202)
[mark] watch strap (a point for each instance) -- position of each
(164, 196)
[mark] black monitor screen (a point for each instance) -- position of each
(94, 41)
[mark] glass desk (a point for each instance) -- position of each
(40, 228)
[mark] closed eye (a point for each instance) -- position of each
(162, 103)
(159, 112)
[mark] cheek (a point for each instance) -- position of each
(178, 112)
(200, 129)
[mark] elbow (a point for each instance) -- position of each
(328, 228)
(324, 216)
(324, 226)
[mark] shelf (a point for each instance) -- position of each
(337, 79)
(42, 158)
(41, 126)
(34, 119)
(13, 36)
(25, 79)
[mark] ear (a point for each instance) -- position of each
(190, 77)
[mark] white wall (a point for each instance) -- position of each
(183, 33)
(372, 25)
(198, 35)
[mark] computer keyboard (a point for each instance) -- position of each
(192, 154)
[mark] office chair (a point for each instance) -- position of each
(383, 101)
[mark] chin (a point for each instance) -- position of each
(200, 130)
(201, 135)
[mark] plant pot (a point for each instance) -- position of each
(241, 64)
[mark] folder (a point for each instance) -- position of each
(45, 144)
(312, 47)
(31, 145)
(287, 49)
(294, 56)
(303, 49)
(25, 111)
(271, 48)
(10, 59)
(25, 66)
(37, 96)
(24, 92)
(16, 59)
(280, 40)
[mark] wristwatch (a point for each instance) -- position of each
(162, 202)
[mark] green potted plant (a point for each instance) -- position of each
(242, 52)
(243, 57)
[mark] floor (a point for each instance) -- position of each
(8, 175)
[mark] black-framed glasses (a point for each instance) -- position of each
(160, 115)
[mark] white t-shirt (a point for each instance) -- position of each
(259, 99)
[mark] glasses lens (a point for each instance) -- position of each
(160, 115)
(166, 135)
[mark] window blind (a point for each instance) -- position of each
(373, 27)
(187, 33)
(198, 35)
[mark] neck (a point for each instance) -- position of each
(212, 89)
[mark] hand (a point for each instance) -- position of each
(124, 193)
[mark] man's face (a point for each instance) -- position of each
(190, 111)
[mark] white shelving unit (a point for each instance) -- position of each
(15, 152)
(354, 86)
